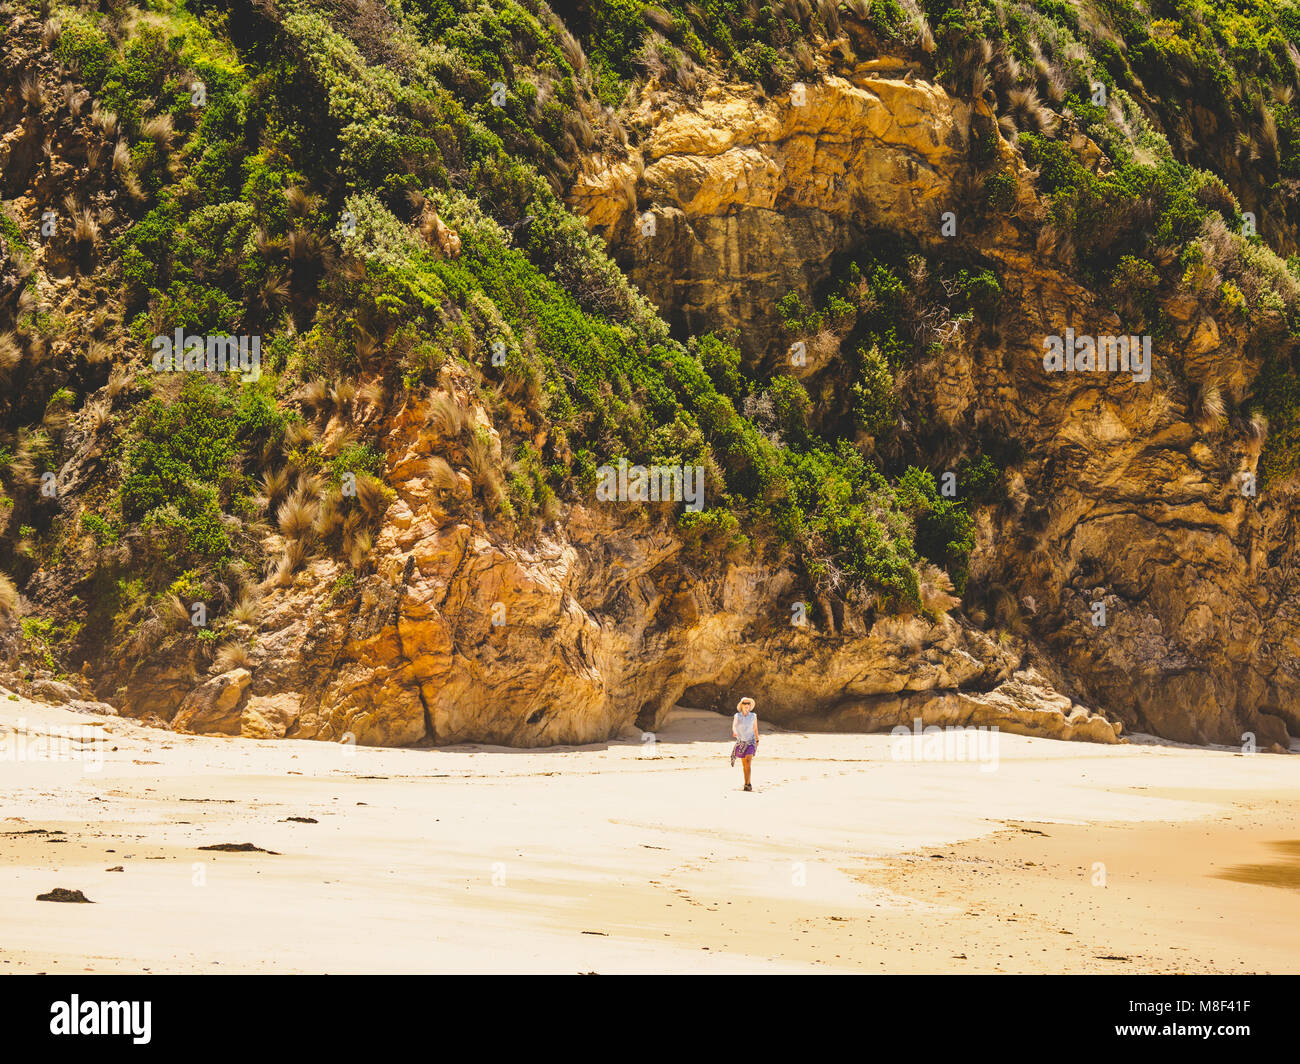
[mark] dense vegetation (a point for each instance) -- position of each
(297, 171)
(1193, 104)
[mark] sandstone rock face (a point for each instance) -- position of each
(463, 634)
(1129, 503)
(54, 691)
(269, 716)
(740, 188)
(1025, 704)
(214, 706)
(1121, 500)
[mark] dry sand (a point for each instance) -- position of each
(607, 859)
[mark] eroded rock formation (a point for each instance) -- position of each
(1121, 499)
(605, 626)
(752, 197)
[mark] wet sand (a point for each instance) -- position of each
(627, 857)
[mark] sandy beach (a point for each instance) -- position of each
(633, 856)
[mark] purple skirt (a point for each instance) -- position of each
(743, 750)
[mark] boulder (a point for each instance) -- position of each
(215, 706)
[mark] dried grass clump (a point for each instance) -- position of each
(805, 58)
(299, 201)
(10, 600)
(441, 477)
(371, 495)
(824, 347)
(299, 433)
(295, 553)
(305, 248)
(85, 228)
(311, 484)
(122, 158)
(373, 395)
(573, 53)
(446, 415)
(937, 591)
(273, 293)
(234, 656)
(367, 345)
(104, 120)
(659, 20)
(908, 633)
(274, 485)
(484, 472)
(98, 412)
(332, 515)
(1256, 434)
(29, 88)
(31, 444)
(925, 36)
(342, 396)
(1028, 112)
(362, 543)
(316, 396)
(297, 515)
(1209, 409)
(172, 612)
(159, 129)
(11, 352)
(247, 610)
(120, 379)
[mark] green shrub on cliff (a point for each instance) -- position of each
(85, 48)
(945, 531)
(185, 465)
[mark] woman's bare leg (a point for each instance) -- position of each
(745, 761)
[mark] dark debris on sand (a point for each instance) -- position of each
(60, 894)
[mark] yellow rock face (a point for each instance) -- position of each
(461, 633)
(733, 201)
(460, 630)
(729, 202)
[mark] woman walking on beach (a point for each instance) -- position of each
(744, 728)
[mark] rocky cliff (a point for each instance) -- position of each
(1123, 499)
(751, 196)
(1131, 570)
(462, 635)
